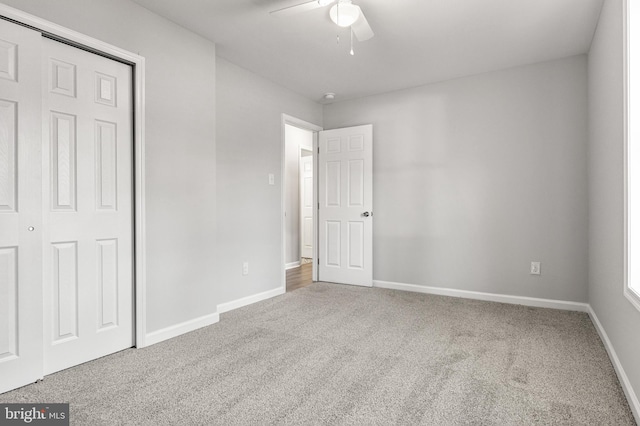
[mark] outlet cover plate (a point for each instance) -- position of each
(535, 268)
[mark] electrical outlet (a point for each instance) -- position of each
(535, 268)
(272, 179)
(245, 268)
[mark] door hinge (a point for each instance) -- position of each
(318, 206)
(318, 150)
(318, 261)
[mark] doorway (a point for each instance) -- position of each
(299, 273)
(342, 221)
(299, 198)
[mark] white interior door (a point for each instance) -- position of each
(20, 207)
(345, 193)
(306, 205)
(88, 253)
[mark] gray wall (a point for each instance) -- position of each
(180, 147)
(606, 198)
(476, 177)
(295, 138)
(249, 147)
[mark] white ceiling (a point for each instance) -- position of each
(416, 41)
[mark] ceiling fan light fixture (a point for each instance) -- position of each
(346, 16)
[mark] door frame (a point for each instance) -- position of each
(301, 124)
(137, 63)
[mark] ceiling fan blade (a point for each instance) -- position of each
(361, 28)
(298, 8)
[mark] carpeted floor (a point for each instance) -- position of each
(331, 354)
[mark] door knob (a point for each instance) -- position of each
(31, 228)
(366, 214)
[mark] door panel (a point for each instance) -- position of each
(107, 273)
(334, 243)
(355, 240)
(346, 192)
(333, 184)
(88, 268)
(106, 166)
(63, 161)
(65, 291)
(8, 156)
(356, 183)
(20, 207)
(9, 303)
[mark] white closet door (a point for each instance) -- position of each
(345, 170)
(88, 213)
(20, 207)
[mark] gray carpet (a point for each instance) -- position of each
(331, 354)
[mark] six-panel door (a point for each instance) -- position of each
(20, 207)
(345, 217)
(88, 268)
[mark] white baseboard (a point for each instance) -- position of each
(239, 303)
(632, 398)
(182, 328)
(491, 297)
(291, 265)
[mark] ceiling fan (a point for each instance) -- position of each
(343, 13)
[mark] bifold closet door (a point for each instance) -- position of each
(66, 206)
(88, 206)
(20, 207)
